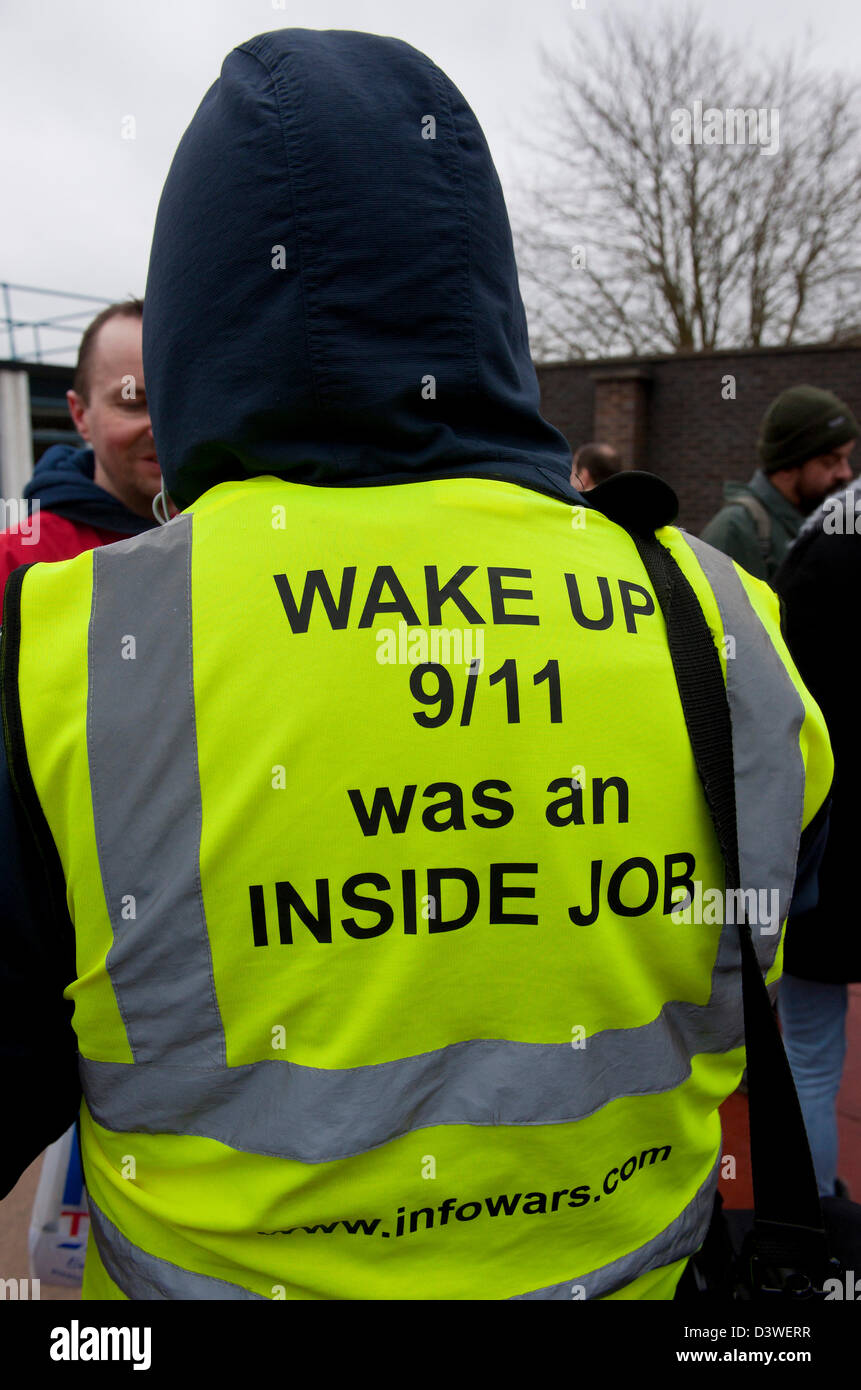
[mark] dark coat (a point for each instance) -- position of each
(820, 585)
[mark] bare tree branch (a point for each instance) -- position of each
(717, 241)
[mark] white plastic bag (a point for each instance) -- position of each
(60, 1221)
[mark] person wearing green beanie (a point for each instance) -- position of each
(804, 444)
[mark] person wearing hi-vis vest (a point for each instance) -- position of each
(362, 787)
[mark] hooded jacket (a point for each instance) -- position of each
(321, 306)
(356, 319)
(73, 513)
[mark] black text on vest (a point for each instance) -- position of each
(592, 600)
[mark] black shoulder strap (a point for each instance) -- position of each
(788, 1227)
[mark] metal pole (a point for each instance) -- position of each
(9, 329)
(16, 438)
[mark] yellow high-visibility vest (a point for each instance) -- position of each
(383, 842)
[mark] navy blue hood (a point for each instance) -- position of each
(63, 482)
(332, 295)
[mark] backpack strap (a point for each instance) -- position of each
(762, 521)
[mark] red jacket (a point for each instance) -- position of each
(59, 539)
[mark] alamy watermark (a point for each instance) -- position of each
(416, 646)
(21, 518)
(739, 125)
(841, 515)
(77, 1343)
(715, 906)
(848, 1288)
(20, 1289)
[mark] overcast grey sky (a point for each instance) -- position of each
(79, 201)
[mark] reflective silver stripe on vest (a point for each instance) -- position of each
(767, 714)
(677, 1241)
(146, 795)
(147, 1277)
(284, 1110)
(148, 830)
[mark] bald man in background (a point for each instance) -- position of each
(593, 464)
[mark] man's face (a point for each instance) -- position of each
(115, 421)
(819, 477)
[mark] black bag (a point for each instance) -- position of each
(790, 1244)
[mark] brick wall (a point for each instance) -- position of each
(668, 414)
